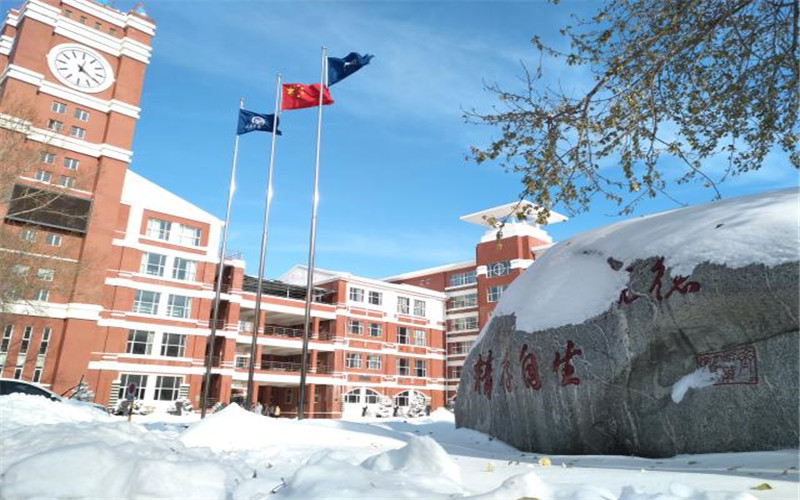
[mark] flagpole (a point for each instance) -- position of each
(311, 244)
(251, 370)
(215, 315)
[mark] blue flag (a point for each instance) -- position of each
(255, 122)
(339, 69)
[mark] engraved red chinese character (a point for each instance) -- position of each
(482, 373)
(567, 371)
(530, 372)
(506, 378)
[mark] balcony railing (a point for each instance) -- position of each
(282, 331)
(284, 366)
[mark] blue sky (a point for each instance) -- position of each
(393, 177)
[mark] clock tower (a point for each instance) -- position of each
(78, 66)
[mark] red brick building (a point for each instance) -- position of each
(135, 307)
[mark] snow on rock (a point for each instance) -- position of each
(698, 379)
(573, 282)
(527, 485)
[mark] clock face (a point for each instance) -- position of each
(80, 68)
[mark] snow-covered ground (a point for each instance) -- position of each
(57, 450)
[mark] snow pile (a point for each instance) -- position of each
(702, 377)
(573, 281)
(91, 455)
(421, 469)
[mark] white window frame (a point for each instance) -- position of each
(464, 301)
(81, 114)
(355, 327)
(42, 175)
(141, 384)
(465, 278)
(419, 308)
(149, 307)
(158, 229)
(403, 338)
(174, 388)
(71, 163)
(420, 337)
(45, 274)
(352, 360)
(173, 342)
(499, 268)
(134, 342)
(48, 158)
(403, 305)
(157, 268)
(55, 125)
(462, 324)
(188, 235)
(25, 343)
(185, 309)
(189, 271)
(374, 362)
(8, 333)
(66, 181)
(375, 298)
(420, 368)
(28, 235)
(493, 293)
(401, 368)
(356, 294)
(37, 375)
(45, 343)
(53, 240)
(58, 107)
(42, 295)
(77, 132)
(375, 330)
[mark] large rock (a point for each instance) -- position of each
(675, 333)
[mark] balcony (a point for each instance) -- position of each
(280, 366)
(282, 331)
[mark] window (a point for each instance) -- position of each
(499, 268)
(66, 181)
(462, 301)
(47, 157)
(140, 342)
(153, 264)
(179, 306)
(419, 307)
(465, 278)
(188, 235)
(159, 229)
(167, 388)
(127, 379)
(374, 362)
(42, 175)
(7, 333)
(173, 345)
(55, 125)
(81, 114)
(495, 292)
(82, 20)
(58, 107)
(42, 295)
(403, 305)
(403, 368)
(112, 31)
(459, 347)
(420, 369)
(37, 375)
(27, 235)
(54, 240)
(461, 324)
(375, 298)
(402, 335)
(18, 372)
(20, 270)
(288, 397)
(419, 337)
(353, 396)
(146, 302)
(184, 269)
(45, 341)
(454, 372)
(78, 132)
(26, 340)
(357, 294)
(45, 274)
(375, 330)
(67, 13)
(353, 360)
(71, 163)
(98, 25)
(354, 327)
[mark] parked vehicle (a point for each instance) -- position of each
(14, 386)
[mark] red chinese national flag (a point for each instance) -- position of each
(299, 96)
